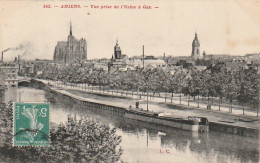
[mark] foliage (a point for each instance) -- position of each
(233, 85)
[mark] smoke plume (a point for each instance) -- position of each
(24, 50)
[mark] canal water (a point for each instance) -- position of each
(142, 142)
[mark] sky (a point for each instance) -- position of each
(223, 27)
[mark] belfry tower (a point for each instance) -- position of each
(195, 47)
(117, 51)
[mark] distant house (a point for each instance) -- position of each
(150, 57)
(186, 63)
(200, 68)
(254, 55)
(136, 58)
(239, 59)
(171, 61)
(229, 66)
(88, 64)
(217, 56)
(235, 65)
(103, 60)
(100, 66)
(127, 68)
(124, 57)
(152, 63)
(255, 67)
(34, 67)
(174, 69)
(27, 69)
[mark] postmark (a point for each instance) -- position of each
(31, 124)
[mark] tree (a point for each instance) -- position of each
(219, 85)
(194, 85)
(231, 87)
(251, 88)
(208, 82)
(244, 85)
(158, 80)
(170, 83)
(147, 75)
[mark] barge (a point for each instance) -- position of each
(192, 123)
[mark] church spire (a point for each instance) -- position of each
(70, 29)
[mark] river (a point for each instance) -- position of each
(142, 142)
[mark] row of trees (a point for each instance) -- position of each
(240, 86)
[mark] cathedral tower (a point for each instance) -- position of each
(70, 45)
(70, 29)
(195, 47)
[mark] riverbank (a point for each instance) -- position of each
(219, 121)
(163, 97)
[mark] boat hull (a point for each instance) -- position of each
(166, 121)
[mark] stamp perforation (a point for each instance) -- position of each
(31, 125)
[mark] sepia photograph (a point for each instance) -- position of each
(129, 81)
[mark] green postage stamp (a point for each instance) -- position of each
(31, 124)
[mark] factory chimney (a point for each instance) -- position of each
(2, 57)
(19, 66)
(143, 56)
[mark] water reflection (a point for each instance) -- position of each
(145, 143)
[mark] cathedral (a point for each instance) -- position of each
(71, 51)
(195, 47)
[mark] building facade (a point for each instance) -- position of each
(9, 74)
(70, 51)
(2, 79)
(195, 47)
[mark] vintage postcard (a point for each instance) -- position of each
(137, 81)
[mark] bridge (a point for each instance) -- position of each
(23, 81)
